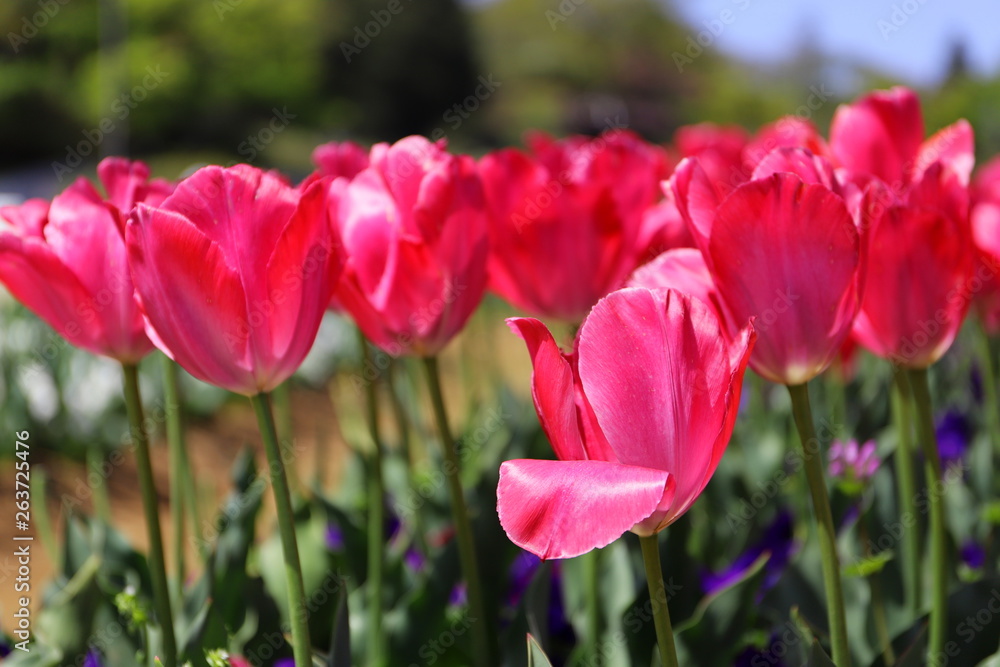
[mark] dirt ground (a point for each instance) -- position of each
(212, 447)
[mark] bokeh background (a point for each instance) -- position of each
(180, 83)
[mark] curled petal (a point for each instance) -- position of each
(561, 509)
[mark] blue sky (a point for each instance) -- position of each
(771, 31)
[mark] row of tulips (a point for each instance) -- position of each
(680, 266)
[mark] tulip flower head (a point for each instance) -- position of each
(638, 416)
(568, 222)
(234, 271)
(915, 214)
(985, 196)
(340, 159)
(67, 262)
(784, 249)
(414, 228)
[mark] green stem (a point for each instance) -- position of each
(297, 611)
(935, 486)
(824, 523)
(591, 570)
(175, 445)
(460, 514)
(878, 599)
(99, 485)
(376, 518)
(403, 426)
(906, 486)
(658, 600)
(281, 399)
(39, 490)
(150, 507)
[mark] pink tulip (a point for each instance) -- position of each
(234, 271)
(882, 136)
(915, 213)
(784, 249)
(638, 416)
(985, 283)
(719, 150)
(414, 229)
(68, 264)
(568, 221)
(340, 159)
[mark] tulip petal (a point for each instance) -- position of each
(787, 253)
(917, 287)
(696, 197)
(953, 146)
(552, 389)
(810, 168)
(656, 370)
(880, 134)
(193, 301)
(84, 232)
(561, 509)
(301, 275)
(39, 280)
(682, 269)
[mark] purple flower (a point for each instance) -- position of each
(391, 525)
(522, 570)
(285, 662)
(953, 435)
(778, 540)
(459, 595)
(92, 659)
(973, 555)
(414, 560)
(334, 537)
(853, 463)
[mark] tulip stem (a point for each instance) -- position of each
(591, 570)
(175, 444)
(281, 399)
(658, 600)
(150, 507)
(935, 485)
(376, 519)
(297, 611)
(813, 464)
(906, 485)
(99, 483)
(460, 514)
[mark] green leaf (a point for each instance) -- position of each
(818, 657)
(866, 567)
(991, 512)
(340, 647)
(536, 656)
